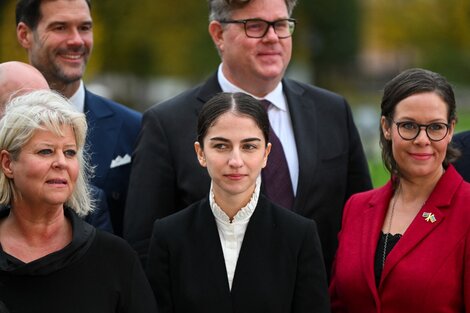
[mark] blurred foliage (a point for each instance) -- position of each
(167, 38)
(149, 39)
(9, 47)
(434, 32)
(334, 26)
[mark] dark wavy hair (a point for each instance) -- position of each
(410, 82)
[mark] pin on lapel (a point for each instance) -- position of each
(429, 217)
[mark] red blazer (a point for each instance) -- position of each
(429, 268)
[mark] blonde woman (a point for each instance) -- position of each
(51, 260)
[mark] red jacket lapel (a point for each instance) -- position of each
(420, 228)
(373, 221)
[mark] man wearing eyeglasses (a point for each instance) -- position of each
(320, 156)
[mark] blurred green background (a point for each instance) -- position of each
(146, 51)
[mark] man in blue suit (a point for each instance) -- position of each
(58, 37)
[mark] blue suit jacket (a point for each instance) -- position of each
(112, 133)
(100, 217)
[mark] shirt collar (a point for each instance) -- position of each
(276, 96)
(244, 214)
(78, 98)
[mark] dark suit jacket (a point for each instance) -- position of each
(100, 217)
(113, 130)
(280, 267)
(166, 176)
(462, 141)
(428, 270)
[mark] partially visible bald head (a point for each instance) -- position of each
(17, 78)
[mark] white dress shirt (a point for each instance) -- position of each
(281, 123)
(78, 98)
(231, 233)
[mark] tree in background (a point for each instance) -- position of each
(433, 34)
(148, 38)
(334, 39)
(139, 41)
(9, 47)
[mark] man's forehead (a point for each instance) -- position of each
(65, 10)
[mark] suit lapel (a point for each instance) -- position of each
(206, 229)
(373, 218)
(304, 122)
(210, 88)
(102, 134)
(437, 204)
(256, 235)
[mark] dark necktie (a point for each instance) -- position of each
(276, 178)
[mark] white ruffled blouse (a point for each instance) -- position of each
(232, 233)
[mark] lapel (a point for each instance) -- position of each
(373, 218)
(213, 257)
(437, 204)
(103, 128)
(207, 91)
(258, 232)
(304, 122)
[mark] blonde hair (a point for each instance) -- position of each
(44, 110)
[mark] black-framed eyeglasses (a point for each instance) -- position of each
(258, 28)
(410, 130)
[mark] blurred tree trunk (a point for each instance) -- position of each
(334, 39)
(10, 49)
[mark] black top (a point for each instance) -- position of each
(96, 272)
(379, 253)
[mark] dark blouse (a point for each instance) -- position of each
(96, 273)
(379, 253)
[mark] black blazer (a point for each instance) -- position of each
(280, 267)
(462, 142)
(166, 176)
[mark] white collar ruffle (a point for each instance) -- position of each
(244, 214)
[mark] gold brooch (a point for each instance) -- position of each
(429, 217)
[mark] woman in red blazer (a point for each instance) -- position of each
(405, 247)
